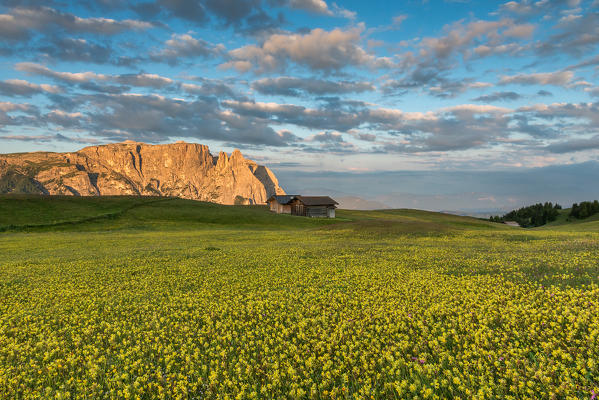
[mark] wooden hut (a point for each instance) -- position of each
(313, 206)
(307, 206)
(280, 203)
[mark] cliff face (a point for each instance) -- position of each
(180, 169)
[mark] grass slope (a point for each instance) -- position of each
(565, 223)
(31, 212)
(68, 213)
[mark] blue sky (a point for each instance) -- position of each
(351, 88)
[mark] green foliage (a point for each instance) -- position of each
(584, 209)
(531, 216)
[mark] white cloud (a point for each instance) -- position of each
(140, 80)
(78, 77)
(317, 50)
(315, 6)
(6, 106)
(185, 46)
(22, 20)
(19, 87)
(559, 78)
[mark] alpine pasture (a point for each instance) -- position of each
(144, 298)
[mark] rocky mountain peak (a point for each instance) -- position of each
(179, 169)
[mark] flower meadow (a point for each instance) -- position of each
(307, 314)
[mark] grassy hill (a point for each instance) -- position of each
(32, 212)
(566, 223)
(68, 213)
(408, 221)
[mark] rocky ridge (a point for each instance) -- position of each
(186, 170)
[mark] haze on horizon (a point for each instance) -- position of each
(441, 105)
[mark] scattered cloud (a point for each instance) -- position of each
(533, 7)
(72, 77)
(18, 87)
(311, 52)
(18, 24)
(574, 145)
(498, 96)
(6, 106)
(248, 16)
(447, 89)
(578, 35)
(318, 50)
(50, 138)
(184, 46)
(76, 49)
(345, 13)
(460, 39)
(292, 86)
(314, 6)
(139, 80)
(558, 78)
(155, 118)
(210, 87)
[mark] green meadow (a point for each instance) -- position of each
(144, 298)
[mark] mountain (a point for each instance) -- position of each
(358, 203)
(186, 170)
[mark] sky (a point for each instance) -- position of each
(434, 104)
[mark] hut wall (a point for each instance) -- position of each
(321, 211)
(297, 208)
(316, 211)
(279, 208)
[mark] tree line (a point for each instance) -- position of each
(584, 209)
(540, 214)
(531, 216)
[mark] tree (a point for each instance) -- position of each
(584, 209)
(535, 215)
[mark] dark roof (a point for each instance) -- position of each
(283, 198)
(306, 200)
(316, 200)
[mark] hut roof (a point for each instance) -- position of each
(283, 198)
(316, 200)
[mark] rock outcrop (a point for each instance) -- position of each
(186, 170)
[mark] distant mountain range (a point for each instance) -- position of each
(186, 170)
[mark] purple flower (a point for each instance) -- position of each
(593, 394)
(501, 358)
